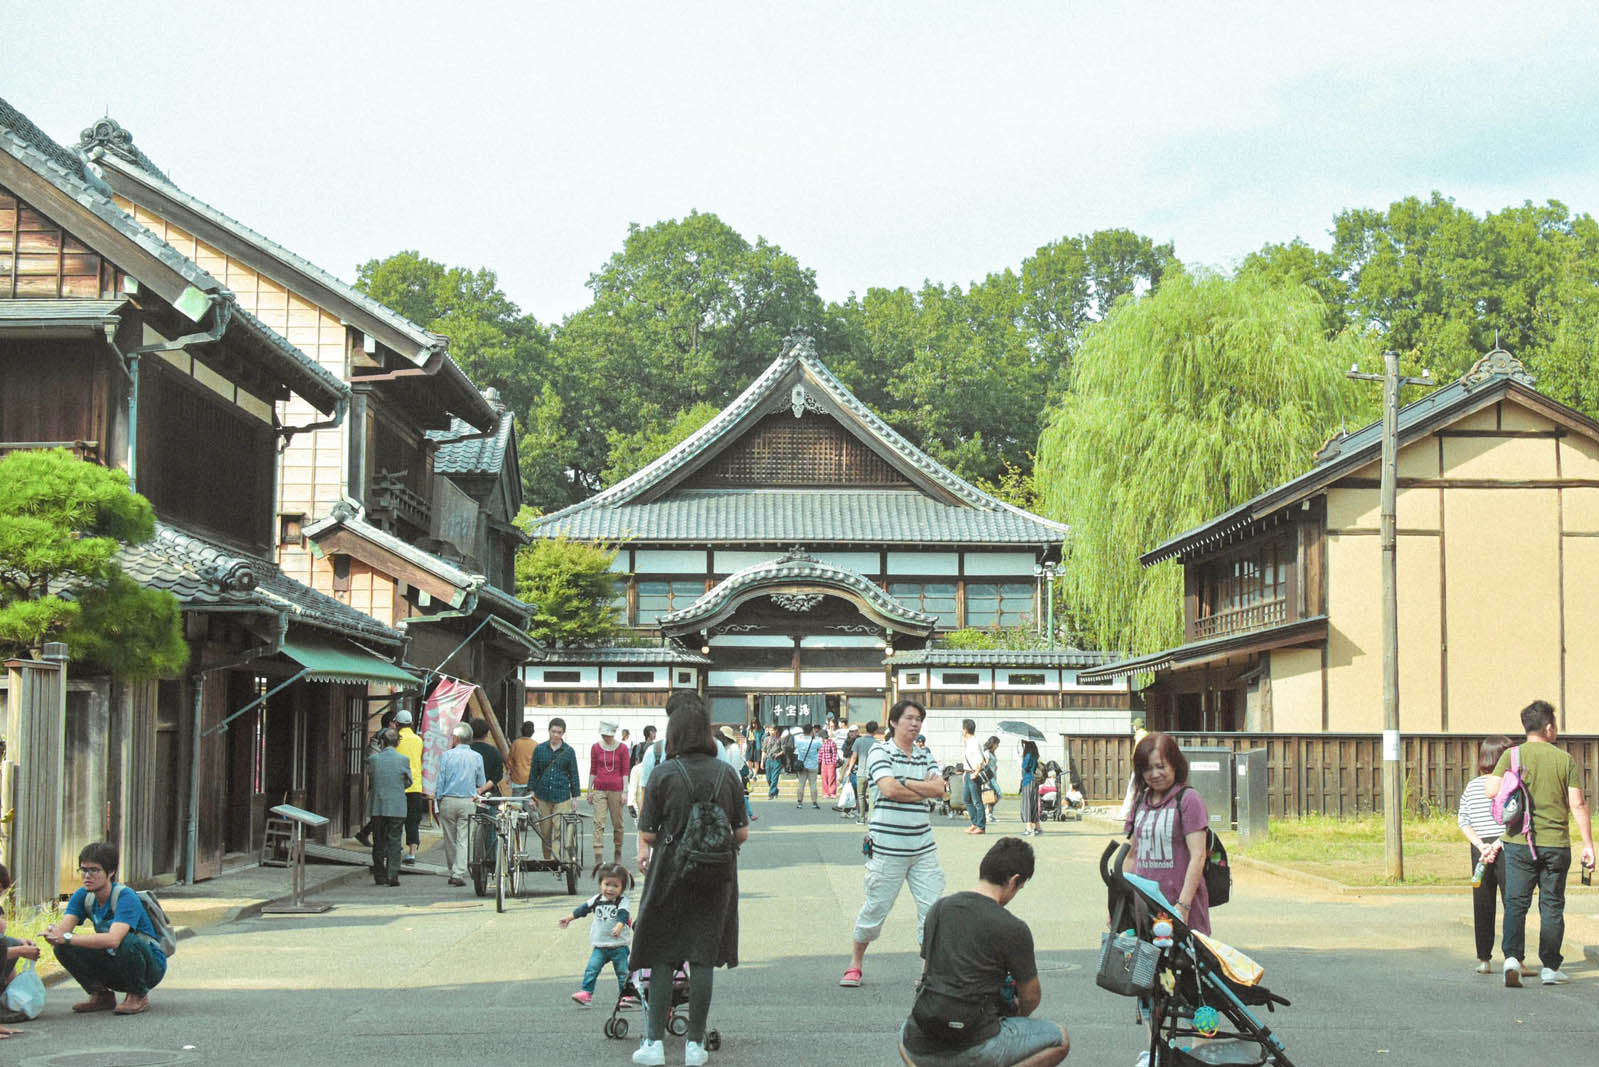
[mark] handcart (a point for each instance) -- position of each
(504, 846)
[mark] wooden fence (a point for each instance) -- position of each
(1326, 774)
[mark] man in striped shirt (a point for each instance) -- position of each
(903, 780)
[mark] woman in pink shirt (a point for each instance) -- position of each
(608, 766)
(827, 760)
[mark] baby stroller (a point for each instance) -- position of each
(1195, 987)
(1054, 803)
(637, 988)
(954, 803)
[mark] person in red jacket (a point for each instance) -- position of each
(608, 766)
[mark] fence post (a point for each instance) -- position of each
(35, 728)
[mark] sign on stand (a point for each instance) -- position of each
(297, 904)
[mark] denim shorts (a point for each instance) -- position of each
(1018, 1038)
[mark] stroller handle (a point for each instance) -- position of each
(1110, 869)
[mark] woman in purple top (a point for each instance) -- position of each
(1176, 862)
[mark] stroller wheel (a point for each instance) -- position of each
(677, 1025)
(609, 1028)
(618, 1028)
(713, 1041)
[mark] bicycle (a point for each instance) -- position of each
(504, 833)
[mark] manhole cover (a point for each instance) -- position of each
(110, 1057)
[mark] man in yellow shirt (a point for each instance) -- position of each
(416, 802)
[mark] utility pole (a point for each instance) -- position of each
(1393, 771)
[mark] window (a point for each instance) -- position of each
(635, 677)
(1245, 590)
(932, 598)
(913, 677)
(960, 678)
(1009, 604)
(563, 676)
(662, 598)
(685, 677)
(1024, 679)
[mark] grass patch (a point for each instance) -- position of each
(1352, 851)
(30, 926)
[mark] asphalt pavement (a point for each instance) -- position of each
(424, 974)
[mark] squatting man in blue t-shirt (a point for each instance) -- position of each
(120, 954)
(981, 981)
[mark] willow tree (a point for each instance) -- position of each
(1182, 404)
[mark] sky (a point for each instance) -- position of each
(881, 144)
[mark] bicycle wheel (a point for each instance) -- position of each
(500, 873)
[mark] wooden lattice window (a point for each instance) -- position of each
(38, 259)
(809, 451)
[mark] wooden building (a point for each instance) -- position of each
(1498, 560)
(789, 556)
(403, 510)
(118, 346)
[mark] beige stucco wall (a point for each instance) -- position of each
(1504, 604)
(1480, 573)
(1296, 690)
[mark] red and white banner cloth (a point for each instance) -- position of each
(440, 715)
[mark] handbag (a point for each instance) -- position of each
(947, 1021)
(25, 992)
(1218, 876)
(990, 797)
(1126, 964)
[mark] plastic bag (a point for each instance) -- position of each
(25, 992)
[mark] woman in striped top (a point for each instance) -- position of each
(1476, 819)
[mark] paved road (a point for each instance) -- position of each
(420, 975)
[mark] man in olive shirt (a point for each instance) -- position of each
(1554, 787)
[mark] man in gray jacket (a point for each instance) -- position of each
(390, 773)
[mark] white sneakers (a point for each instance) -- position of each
(653, 1054)
(1484, 967)
(1549, 976)
(1512, 973)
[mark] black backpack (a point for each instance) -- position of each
(1218, 875)
(705, 849)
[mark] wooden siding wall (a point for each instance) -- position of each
(39, 260)
(1326, 774)
(313, 466)
(56, 391)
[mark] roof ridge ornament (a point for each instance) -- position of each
(111, 136)
(1498, 363)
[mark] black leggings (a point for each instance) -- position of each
(701, 979)
(1484, 900)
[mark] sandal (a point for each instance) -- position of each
(852, 978)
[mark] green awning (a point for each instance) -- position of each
(346, 665)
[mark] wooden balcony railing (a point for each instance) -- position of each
(1265, 613)
(390, 498)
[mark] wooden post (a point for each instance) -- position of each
(36, 720)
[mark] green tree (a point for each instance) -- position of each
(1434, 280)
(490, 337)
(630, 452)
(688, 312)
(62, 522)
(572, 588)
(1183, 403)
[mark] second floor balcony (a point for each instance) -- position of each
(1249, 617)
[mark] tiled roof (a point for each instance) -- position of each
(609, 656)
(502, 602)
(1066, 658)
(1210, 649)
(795, 569)
(465, 452)
(424, 339)
(203, 574)
(797, 516)
(1493, 377)
(798, 361)
(84, 314)
(35, 150)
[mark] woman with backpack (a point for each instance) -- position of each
(1168, 827)
(690, 828)
(1476, 820)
